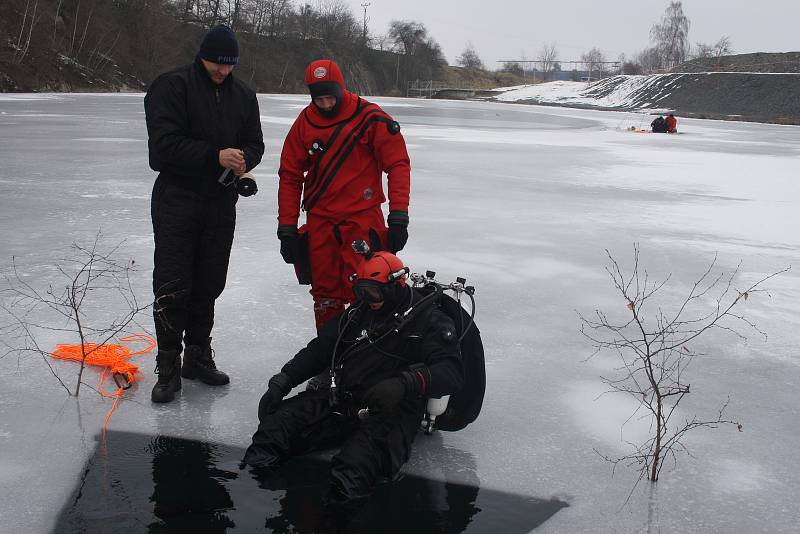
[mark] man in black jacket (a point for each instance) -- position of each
(202, 124)
(386, 362)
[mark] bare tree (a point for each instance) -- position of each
(92, 284)
(382, 42)
(336, 23)
(671, 35)
(469, 58)
(723, 47)
(238, 13)
(422, 56)
(649, 59)
(57, 19)
(305, 21)
(277, 12)
(547, 57)
(24, 41)
(407, 35)
(593, 60)
(717, 50)
(655, 348)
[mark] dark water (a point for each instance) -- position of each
(138, 483)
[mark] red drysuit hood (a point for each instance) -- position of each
(324, 77)
(324, 70)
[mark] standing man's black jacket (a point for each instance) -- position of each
(190, 119)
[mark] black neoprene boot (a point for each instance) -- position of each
(198, 362)
(168, 367)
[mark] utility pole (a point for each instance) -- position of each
(364, 34)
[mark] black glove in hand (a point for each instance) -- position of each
(398, 235)
(385, 395)
(289, 241)
(279, 386)
(398, 230)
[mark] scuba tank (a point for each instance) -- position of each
(456, 411)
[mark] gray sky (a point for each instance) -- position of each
(507, 29)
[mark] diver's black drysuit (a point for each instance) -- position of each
(369, 350)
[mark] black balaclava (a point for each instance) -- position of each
(393, 295)
(327, 89)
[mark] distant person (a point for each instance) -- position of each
(202, 124)
(672, 124)
(659, 125)
(383, 372)
(333, 159)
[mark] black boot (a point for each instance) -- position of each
(198, 362)
(168, 367)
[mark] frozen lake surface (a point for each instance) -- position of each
(522, 201)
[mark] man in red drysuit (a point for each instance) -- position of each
(334, 158)
(672, 124)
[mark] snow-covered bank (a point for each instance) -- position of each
(614, 92)
(759, 97)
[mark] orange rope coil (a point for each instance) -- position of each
(113, 358)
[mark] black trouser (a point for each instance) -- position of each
(371, 449)
(193, 238)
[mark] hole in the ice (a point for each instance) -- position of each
(138, 483)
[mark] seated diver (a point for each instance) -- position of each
(659, 125)
(389, 352)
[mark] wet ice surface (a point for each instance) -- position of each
(522, 201)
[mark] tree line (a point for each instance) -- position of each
(669, 47)
(126, 43)
(138, 39)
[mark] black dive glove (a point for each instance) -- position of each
(279, 386)
(398, 230)
(289, 237)
(384, 396)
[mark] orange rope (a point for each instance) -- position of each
(112, 358)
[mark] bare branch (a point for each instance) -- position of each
(653, 348)
(94, 282)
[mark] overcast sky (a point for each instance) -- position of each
(507, 29)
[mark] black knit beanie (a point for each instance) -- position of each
(220, 46)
